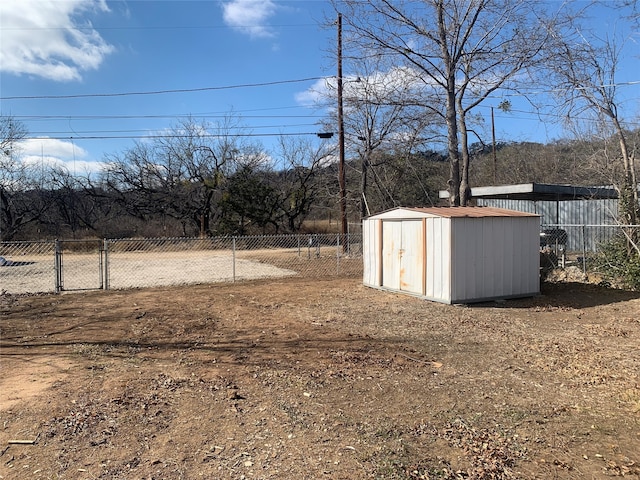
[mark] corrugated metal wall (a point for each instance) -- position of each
(570, 216)
(494, 257)
(438, 264)
(574, 212)
(370, 252)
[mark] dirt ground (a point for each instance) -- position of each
(318, 378)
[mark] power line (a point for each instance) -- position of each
(137, 137)
(538, 115)
(161, 92)
(280, 82)
(160, 27)
(159, 116)
(83, 132)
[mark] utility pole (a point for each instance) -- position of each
(341, 173)
(493, 140)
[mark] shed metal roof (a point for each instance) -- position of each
(539, 191)
(456, 212)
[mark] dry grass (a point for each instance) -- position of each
(319, 378)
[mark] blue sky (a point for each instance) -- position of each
(89, 47)
(145, 46)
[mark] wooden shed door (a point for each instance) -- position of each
(403, 255)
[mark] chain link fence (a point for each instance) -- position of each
(71, 265)
(27, 267)
(577, 245)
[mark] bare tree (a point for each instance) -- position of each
(379, 118)
(23, 200)
(12, 132)
(11, 172)
(584, 70)
(78, 206)
(296, 182)
(181, 174)
(277, 193)
(462, 52)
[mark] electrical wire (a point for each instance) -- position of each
(85, 132)
(167, 27)
(135, 117)
(159, 92)
(138, 137)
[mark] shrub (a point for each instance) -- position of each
(619, 263)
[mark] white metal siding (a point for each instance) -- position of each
(391, 244)
(504, 257)
(466, 242)
(452, 259)
(371, 253)
(494, 257)
(438, 264)
(531, 256)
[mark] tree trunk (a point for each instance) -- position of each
(464, 189)
(363, 185)
(454, 153)
(450, 115)
(629, 191)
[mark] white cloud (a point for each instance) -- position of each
(325, 89)
(50, 152)
(249, 16)
(315, 94)
(50, 38)
(396, 82)
(53, 147)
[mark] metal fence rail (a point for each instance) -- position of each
(68, 265)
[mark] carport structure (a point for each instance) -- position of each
(585, 214)
(556, 204)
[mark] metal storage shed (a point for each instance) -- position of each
(453, 254)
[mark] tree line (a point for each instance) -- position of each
(190, 183)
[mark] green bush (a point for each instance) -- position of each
(619, 263)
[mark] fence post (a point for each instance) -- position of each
(101, 264)
(57, 265)
(233, 247)
(584, 250)
(105, 264)
(337, 254)
(347, 240)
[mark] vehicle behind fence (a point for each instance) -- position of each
(578, 245)
(71, 265)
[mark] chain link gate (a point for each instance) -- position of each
(79, 265)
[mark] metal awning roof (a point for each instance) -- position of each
(539, 192)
